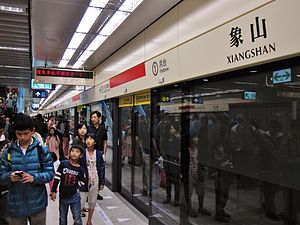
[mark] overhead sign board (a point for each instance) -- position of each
(48, 72)
(142, 98)
(63, 76)
(35, 106)
(40, 94)
(36, 85)
(126, 101)
(282, 76)
(249, 95)
(197, 100)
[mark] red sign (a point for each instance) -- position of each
(63, 73)
(128, 75)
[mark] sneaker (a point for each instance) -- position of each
(99, 197)
(84, 210)
(221, 219)
(204, 211)
(83, 215)
(272, 216)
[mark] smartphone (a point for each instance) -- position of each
(19, 173)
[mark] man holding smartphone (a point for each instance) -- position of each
(3, 189)
(26, 169)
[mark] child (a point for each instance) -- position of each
(93, 164)
(71, 176)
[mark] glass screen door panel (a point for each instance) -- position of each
(126, 143)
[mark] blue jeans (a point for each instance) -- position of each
(74, 203)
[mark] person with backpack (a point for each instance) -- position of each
(4, 142)
(26, 167)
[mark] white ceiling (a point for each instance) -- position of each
(53, 23)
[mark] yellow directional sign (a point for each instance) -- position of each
(126, 101)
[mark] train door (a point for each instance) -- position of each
(135, 147)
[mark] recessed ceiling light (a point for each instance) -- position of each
(205, 80)
(12, 9)
(253, 71)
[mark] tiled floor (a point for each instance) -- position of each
(113, 209)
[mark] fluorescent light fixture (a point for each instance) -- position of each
(63, 63)
(42, 100)
(15, 67)
(130, 5)
(14, 49)
(246, 83)
(68, 54)
(78, 64)
(51, 94)
(64, 98)
(95, 44)
(12, 9)
(76, 40)
(88, 19)
(98, 3)
(85, 55)
(113, 23)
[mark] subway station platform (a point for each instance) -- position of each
(113, 209)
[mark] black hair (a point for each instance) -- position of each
(39, 117)
(96, 112)
(91, 135)
(79, 126)
(2, 123)
(77, 146)
(23, 122)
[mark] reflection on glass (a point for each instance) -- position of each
(241, 156)
(126, 145)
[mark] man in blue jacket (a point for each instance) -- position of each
(26, 167)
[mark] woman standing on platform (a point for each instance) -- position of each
(93, 164)
(52, 142)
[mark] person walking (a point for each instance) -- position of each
(26, 167)
(70, 175)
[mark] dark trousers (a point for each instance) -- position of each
(169, 181)
(269, 191)
(3, 210)
(189, 186)
(291, 202)
(222, 194)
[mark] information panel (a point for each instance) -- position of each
(63, 76)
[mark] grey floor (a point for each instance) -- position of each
(113, 209)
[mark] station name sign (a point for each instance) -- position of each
(48, 72)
